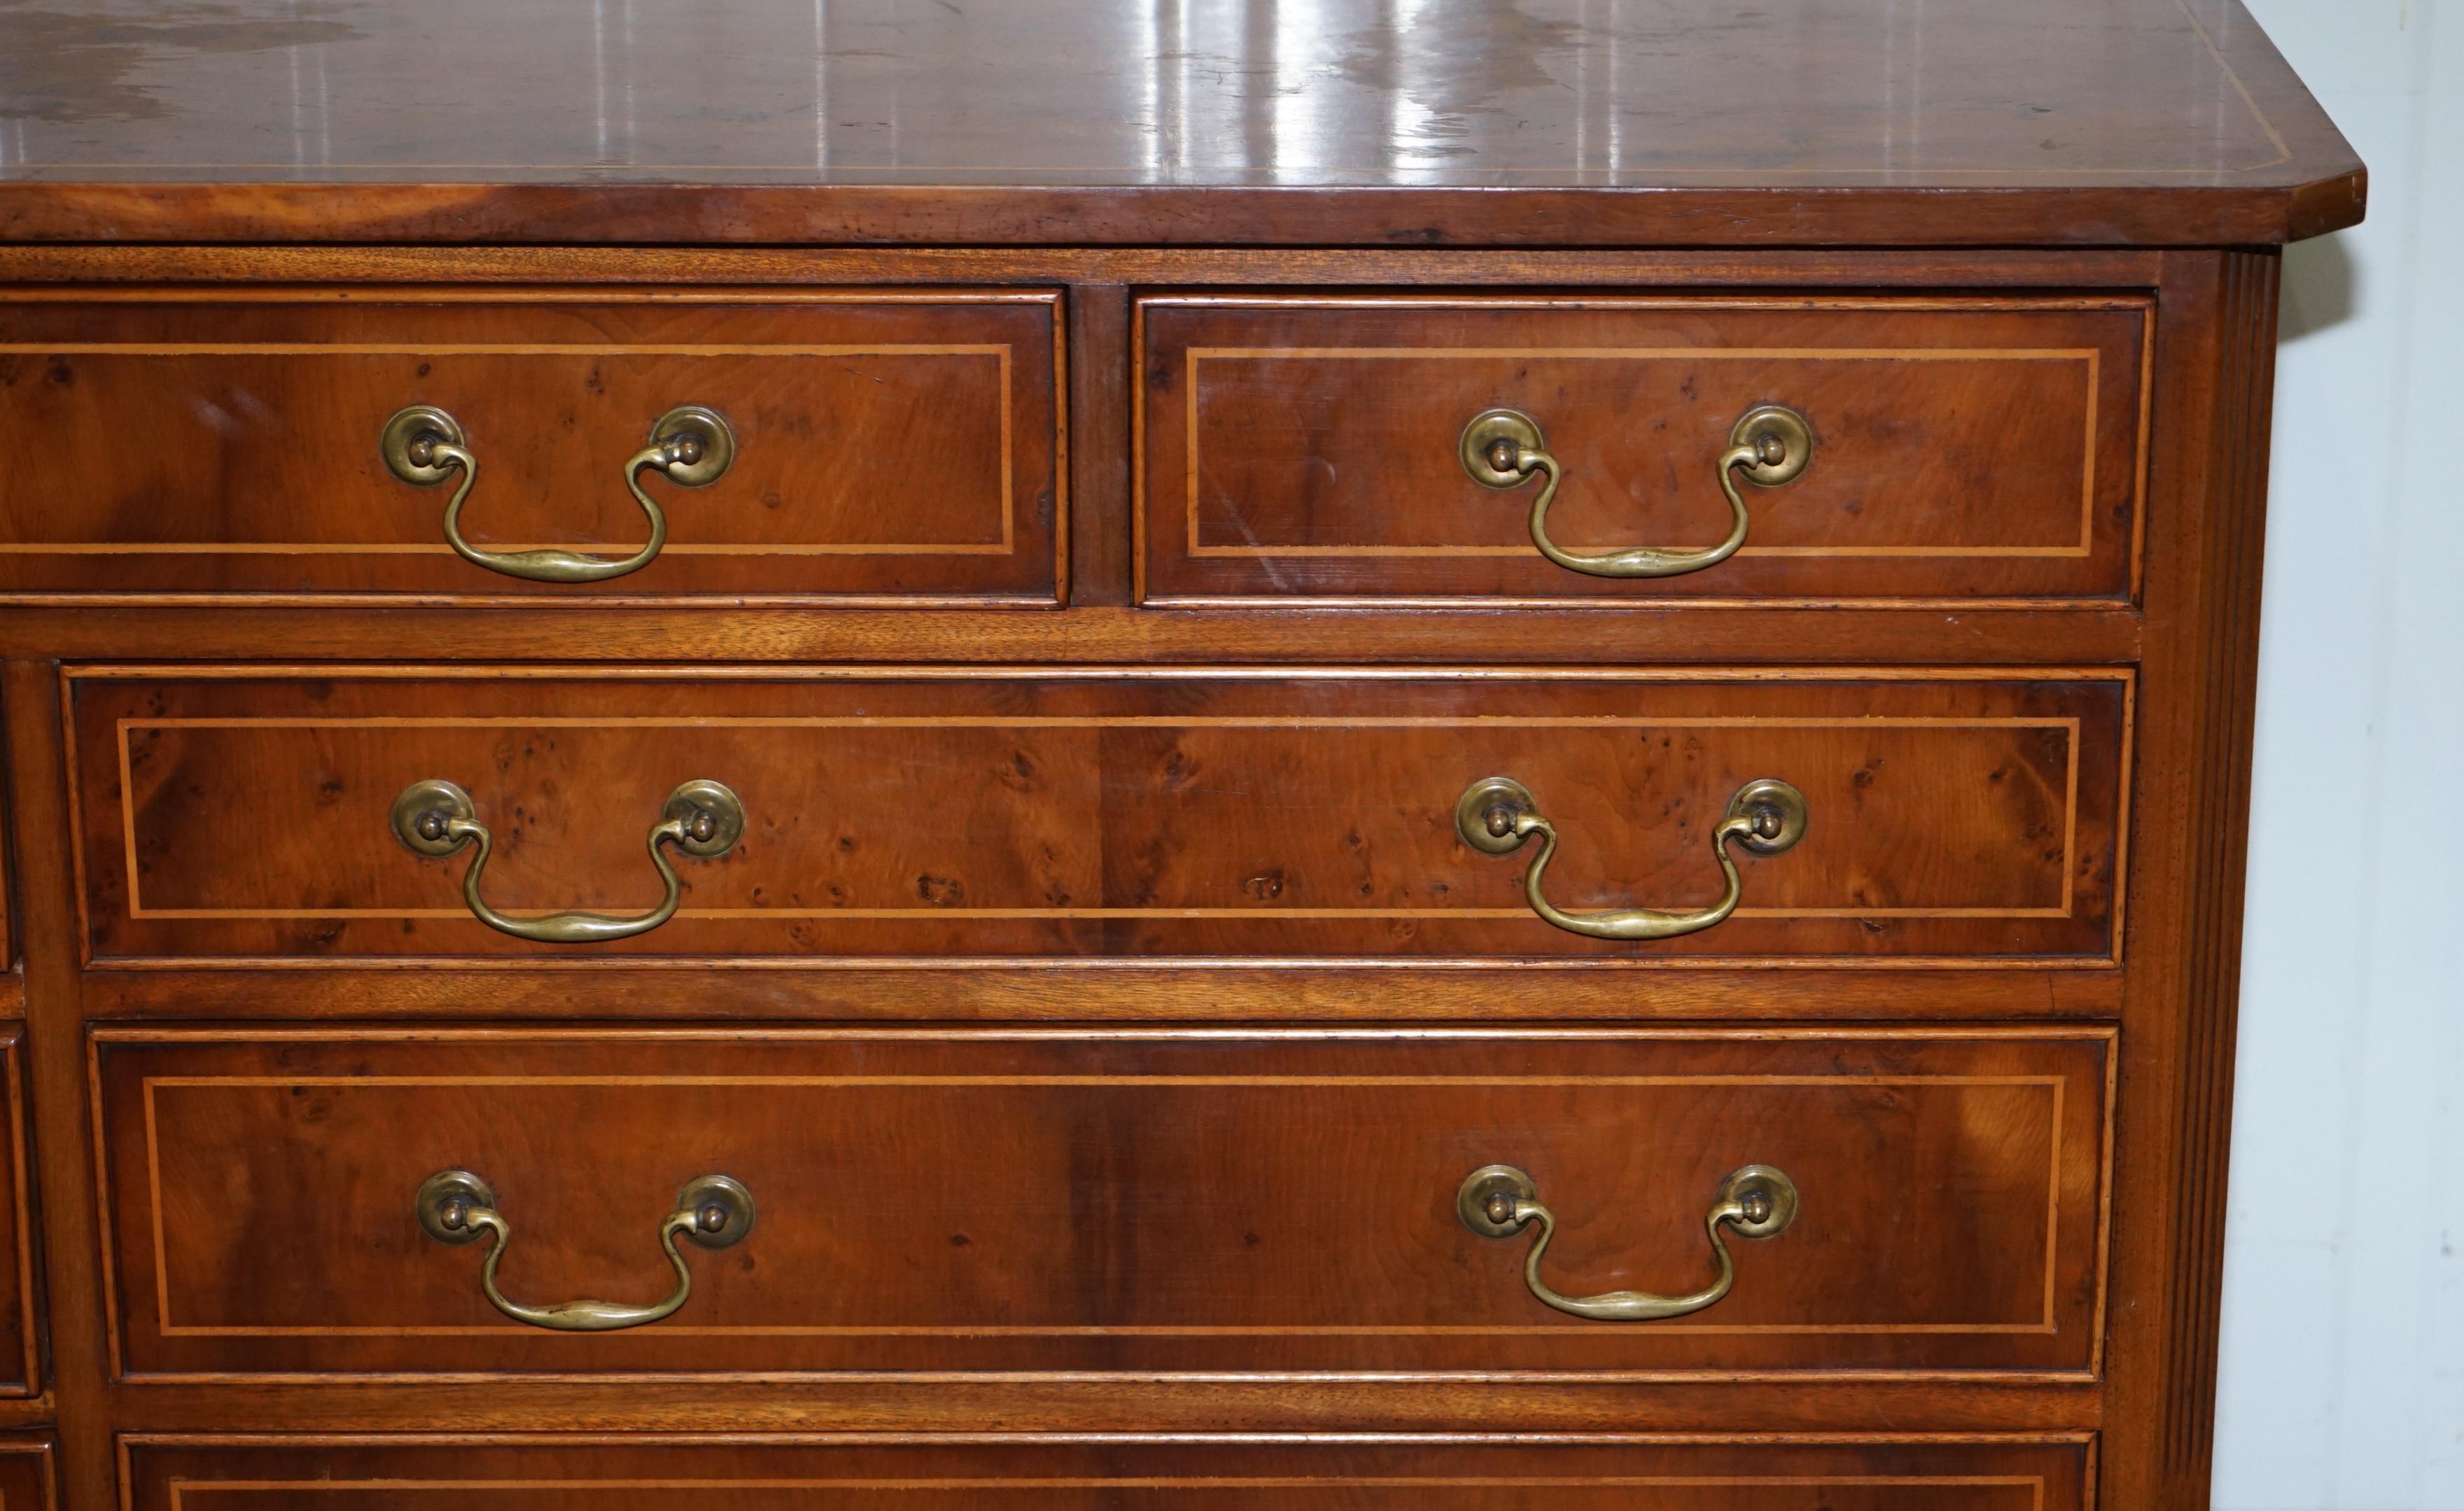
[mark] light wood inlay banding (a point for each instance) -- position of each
(850, 1089)
(1981, 449)
(2030, 1471)
(1203, 814)
(899, 446)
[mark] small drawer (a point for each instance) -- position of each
(1974, 449)
(348, 814)
(1022, 1200)
(1701, 1472)
(797, 445)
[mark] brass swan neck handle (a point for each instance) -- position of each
(1504, 448)
(1497, 814)
(701, 818)
(456, 1206)
(1498, 1201)
(690, 446)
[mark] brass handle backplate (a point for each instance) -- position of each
(690, 446)
(1498, 1201)
(1503, 449)
(1496, 814)
(457, 1207)
(701, 818)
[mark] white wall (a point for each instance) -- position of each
(2344, 1310)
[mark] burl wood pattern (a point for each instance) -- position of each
(1149, 786)
(1061, 1201)
(1955, 815)
(1985, 448)
(891, 444)
(880, 1472)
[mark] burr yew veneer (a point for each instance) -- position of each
(1470, 756)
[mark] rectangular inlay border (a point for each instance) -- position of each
(137, 911)
(99, 1038)
(1001, 351)
(2089, 357)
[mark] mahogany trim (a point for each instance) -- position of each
(978, 632)
(1233, 215)
(968, 992)
(2047, 1325)
(1196, 547)
(339, 271)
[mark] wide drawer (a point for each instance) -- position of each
(1987, 449)
(1102, 1202)
(918, 814)
(883, 443)
(616, 1473)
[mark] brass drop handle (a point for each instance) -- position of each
(1497, 813)
(1503, 448)
(457, 1207)
(701, 818)
(1498, 1201)
(692, 446)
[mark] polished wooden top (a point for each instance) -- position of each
(997, 122)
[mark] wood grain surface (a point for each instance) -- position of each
(1982, 448)
(1037, 813)
(1544, 124)
(2012, 169)
(890, 445)
(1039, 1202)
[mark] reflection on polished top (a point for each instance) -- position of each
(1451, 96)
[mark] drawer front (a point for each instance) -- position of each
(614, 1473)
(20, 1326)
(883, 444)
(1004, 814)
(1044, 1200)
(1969, 449)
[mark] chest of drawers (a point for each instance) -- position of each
(1153, 756)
